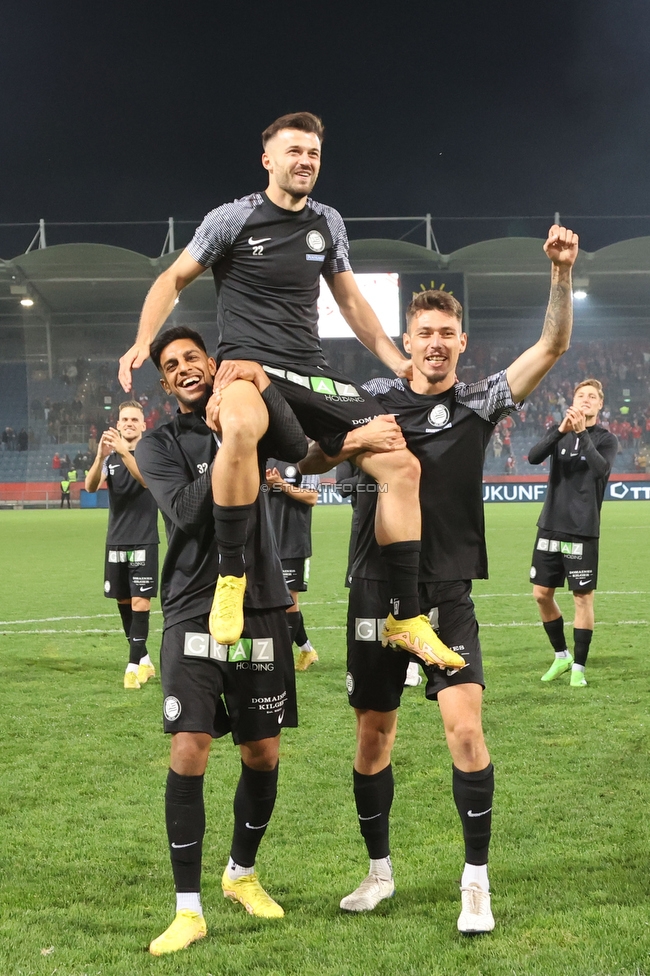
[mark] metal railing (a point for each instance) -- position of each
(629, 225)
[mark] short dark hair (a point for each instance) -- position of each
(171, 335)
(427, 301)
(304, 121)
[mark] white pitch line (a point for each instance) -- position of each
(99, 630)
(74, 616)
(303, 603)
(95, 630)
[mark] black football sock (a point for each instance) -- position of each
(473, 793)
(254, 801)
(402, 564)
(138, 636)
(581, 641)
(127, 616)
(555, 632)
(231, 530)
(185, 816)
(297, 628)
(373, 796)
(293, 620)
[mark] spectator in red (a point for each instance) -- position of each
(511, 466)
(647, 429)
(636, 432)
(56, 462)
(625, 429)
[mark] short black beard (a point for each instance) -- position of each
(194, 406)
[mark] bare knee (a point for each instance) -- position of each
(467, 746)
(190, 752)
(544, 596)
(375, 738)
(243, 413)
(261, 755)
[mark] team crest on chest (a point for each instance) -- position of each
(290, 471)
(315, 241)
(438, 415)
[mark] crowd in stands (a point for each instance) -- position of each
(84, 401)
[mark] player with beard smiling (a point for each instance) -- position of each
(209, 689)
(267, 252)
(447, 425)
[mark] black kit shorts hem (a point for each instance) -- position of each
(375, 677)
(247, 689)
(131, 571)
(559, 557)
(327, 403)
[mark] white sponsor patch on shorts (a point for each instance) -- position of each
(107, 586)
(171, 708)
(349, 683)
(365, 629)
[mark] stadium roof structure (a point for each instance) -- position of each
(505, 279)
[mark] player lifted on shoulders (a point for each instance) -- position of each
(447, 425)
(267, 252)
(582, 454)
(131, 569)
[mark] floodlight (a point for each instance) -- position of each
(27, 302)
(580, 294)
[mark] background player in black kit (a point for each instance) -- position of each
(247, 688)
(582, 454)
(292, 497)
(267, 252)
(447, 425)
(131, 567)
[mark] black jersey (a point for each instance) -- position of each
(580, 467)
(176, 462)
(133, 513)
(267, 264)
(448, 433)
(291, 518)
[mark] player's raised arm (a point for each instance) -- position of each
(526, 372)
(157, 307)
(96, 470)
(364, 323)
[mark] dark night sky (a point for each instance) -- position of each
(143, 110)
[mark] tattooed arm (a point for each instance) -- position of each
(532, 366)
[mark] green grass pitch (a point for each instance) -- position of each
(85, 879)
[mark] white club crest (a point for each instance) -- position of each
(315, 241)
(439, 415)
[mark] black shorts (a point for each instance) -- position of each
(558, 557)
(296, 574)
(326, 403)
(247, 688)
(130, 572)
(375, 677)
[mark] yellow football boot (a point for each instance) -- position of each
(416, 636)
(186, 928)
(227, 613)
(249, 892)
